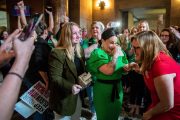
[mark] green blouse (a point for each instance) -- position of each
(98, 58)
(86, 42)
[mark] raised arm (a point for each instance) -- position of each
(19, 23)
(110, 67)
(22, 14)
(175, 32)
(51, 21)
(9, 90)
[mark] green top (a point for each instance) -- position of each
(87, 41)
(98, 58)
(50, 43)
(131, 58)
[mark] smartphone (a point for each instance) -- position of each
(49, 8)
(30, 27)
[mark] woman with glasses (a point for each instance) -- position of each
(170, 42)
(162, 76)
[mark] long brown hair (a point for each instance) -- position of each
(171, 40)
(150, 45)
(65, 41)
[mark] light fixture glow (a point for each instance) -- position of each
(103, 4)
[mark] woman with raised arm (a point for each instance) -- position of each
(107, 64)
(22, 22)
(9, 89)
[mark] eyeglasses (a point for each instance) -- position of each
(164, 35)
(136, 48)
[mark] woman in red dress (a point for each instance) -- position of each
(162, 76)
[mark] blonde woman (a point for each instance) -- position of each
(162, 76)
(143, 26)
(133, 31)
(65, 64)
(97, 28)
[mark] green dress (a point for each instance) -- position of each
(105, 108)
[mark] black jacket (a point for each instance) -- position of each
(38, 61)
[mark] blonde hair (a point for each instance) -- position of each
(65, 41)
(150, 45)
(146, 24)
(132, 30)
(100, 24)
(123, 41)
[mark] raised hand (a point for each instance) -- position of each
(175, 32)
(116, 51)
(134, 66)
(25, 47)
(48, 12)
(127, 68)
(20, 5)
(6, 49)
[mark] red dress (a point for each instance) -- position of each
(162, 65)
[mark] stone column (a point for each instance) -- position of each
(174, 12)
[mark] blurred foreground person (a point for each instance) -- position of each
(162, 76)
(9, 89)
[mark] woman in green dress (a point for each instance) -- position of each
(108, 63)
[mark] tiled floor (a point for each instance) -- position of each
(120, 118)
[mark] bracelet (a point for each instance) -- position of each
(13, 73)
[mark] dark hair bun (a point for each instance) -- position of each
(109, 33)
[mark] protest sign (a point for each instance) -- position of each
(36, 99)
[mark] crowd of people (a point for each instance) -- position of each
(136, 71)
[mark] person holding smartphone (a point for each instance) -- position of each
(10, 87)
(38, 65)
